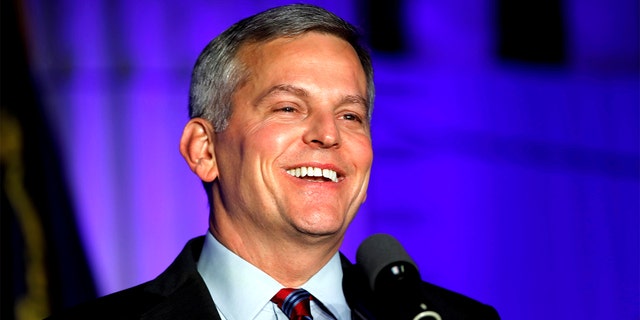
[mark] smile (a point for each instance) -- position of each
(314, 172)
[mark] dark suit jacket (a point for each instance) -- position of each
(180, 293)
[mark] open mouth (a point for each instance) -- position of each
(314, 174)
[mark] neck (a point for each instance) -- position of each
(291, 258)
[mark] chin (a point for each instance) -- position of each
(322, 228)
(318, 222)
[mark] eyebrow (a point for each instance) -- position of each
(300, 92)
(282, 88)
(355, 99)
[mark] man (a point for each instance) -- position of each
(279, 133)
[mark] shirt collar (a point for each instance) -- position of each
(240, 290)
(326, 286)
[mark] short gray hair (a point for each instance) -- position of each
(218, 70)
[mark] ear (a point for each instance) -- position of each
(196, 147)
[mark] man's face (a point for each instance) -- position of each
(296, 155)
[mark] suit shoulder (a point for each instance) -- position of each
(456, 305)
(130, 303)
(171, 295)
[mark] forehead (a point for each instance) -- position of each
(304, 57)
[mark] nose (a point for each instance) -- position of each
(322, 131)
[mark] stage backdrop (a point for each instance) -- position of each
(511, 176)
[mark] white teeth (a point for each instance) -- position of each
(314, 172)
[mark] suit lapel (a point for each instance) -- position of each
(190, 301)
(185, 294)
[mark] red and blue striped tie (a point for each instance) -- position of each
(294, 303)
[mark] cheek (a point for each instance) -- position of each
(274, 139)
(362, 151)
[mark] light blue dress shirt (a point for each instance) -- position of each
(241, 291)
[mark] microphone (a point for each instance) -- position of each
(394, 279)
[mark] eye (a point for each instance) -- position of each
(286, 109)
(352, 117)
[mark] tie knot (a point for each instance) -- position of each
(294, 303)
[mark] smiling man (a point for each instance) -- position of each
(280, 105)
(289, 167)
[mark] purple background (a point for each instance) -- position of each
(515, 184)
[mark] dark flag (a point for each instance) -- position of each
(43, 264)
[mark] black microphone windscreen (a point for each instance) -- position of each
(377, 252)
